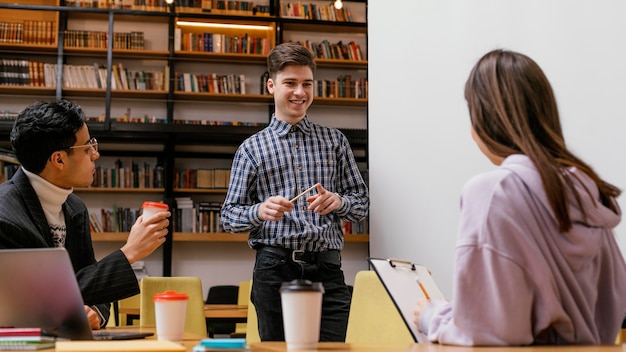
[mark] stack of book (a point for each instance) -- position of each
(25, 339)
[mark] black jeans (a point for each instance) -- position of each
(271, 270)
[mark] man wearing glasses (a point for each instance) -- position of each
(38, 209)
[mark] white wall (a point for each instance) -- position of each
(421, 152)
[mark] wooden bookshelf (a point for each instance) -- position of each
(174, 106)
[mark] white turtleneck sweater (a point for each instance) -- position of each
(51, 198)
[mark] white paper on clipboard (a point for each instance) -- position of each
(400, 278)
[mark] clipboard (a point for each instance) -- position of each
(405, 283)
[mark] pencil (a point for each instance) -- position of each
(303, 193)
(423, 289)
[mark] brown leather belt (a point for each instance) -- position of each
(332, 256)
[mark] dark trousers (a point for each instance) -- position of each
(271, 270)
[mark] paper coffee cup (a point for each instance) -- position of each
(151, 208)
(170, 308)
(301, 302)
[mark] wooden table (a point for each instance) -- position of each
(213, 311)
(343, 347)
(191, 340)
(226, 311)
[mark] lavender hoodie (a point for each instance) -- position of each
(518, 281)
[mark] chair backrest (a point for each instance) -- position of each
(222, 294)
(192, 286)
(252, 324)
(373, 316)
(244, 293)
(242, 299)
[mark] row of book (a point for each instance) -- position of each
(201, 178)
(42, 74)
(8, 115)
(133, 176)
(337, 51)
(99, 40)
(233, 7)
(315, 12)
(23, 73)
(227, 6)
(140, 5)
(28, 32)
(343, 87)
(9, 168)
(200, 217)
(211, 83)
(220, 123)
(117, 219)
(95, 77)
(221, 43)
(203, 217)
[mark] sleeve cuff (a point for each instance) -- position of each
(103, 322)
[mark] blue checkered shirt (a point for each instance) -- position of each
(284, 160)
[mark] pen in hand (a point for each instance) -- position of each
(303, 193)
(423, 289)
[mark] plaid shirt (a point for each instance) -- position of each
(284, 160)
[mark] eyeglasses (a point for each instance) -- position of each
(93, 143)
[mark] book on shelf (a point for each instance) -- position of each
(117, 219)
(209, 217)
(222, 178)
(185, 220)
(94, 223)
(314, 11)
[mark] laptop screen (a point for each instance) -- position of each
(38, 288)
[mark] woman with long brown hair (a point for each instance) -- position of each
(536, 257)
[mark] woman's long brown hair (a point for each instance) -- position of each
(513, 111)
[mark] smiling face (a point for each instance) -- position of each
(293, 92)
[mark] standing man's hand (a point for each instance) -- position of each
(324, 201)
(274, 208)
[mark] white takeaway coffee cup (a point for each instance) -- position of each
(170, 309)
(151, 208)
(301, 302)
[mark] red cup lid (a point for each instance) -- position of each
(170, 296)
(155, 205)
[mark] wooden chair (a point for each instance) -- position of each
(194, 321)
(242, 299)
(252, 325)
(130, 302)
(221, 294)
(373, 316)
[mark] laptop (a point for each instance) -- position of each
(38, 288)
(406, 282)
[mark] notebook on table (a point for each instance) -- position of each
(38, 288)
(406, 282)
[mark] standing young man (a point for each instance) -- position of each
(38, 208)
(295, 238)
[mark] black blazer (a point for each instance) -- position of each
(24, 225)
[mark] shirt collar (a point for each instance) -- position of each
(282, 128)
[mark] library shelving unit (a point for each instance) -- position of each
(178, 85)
